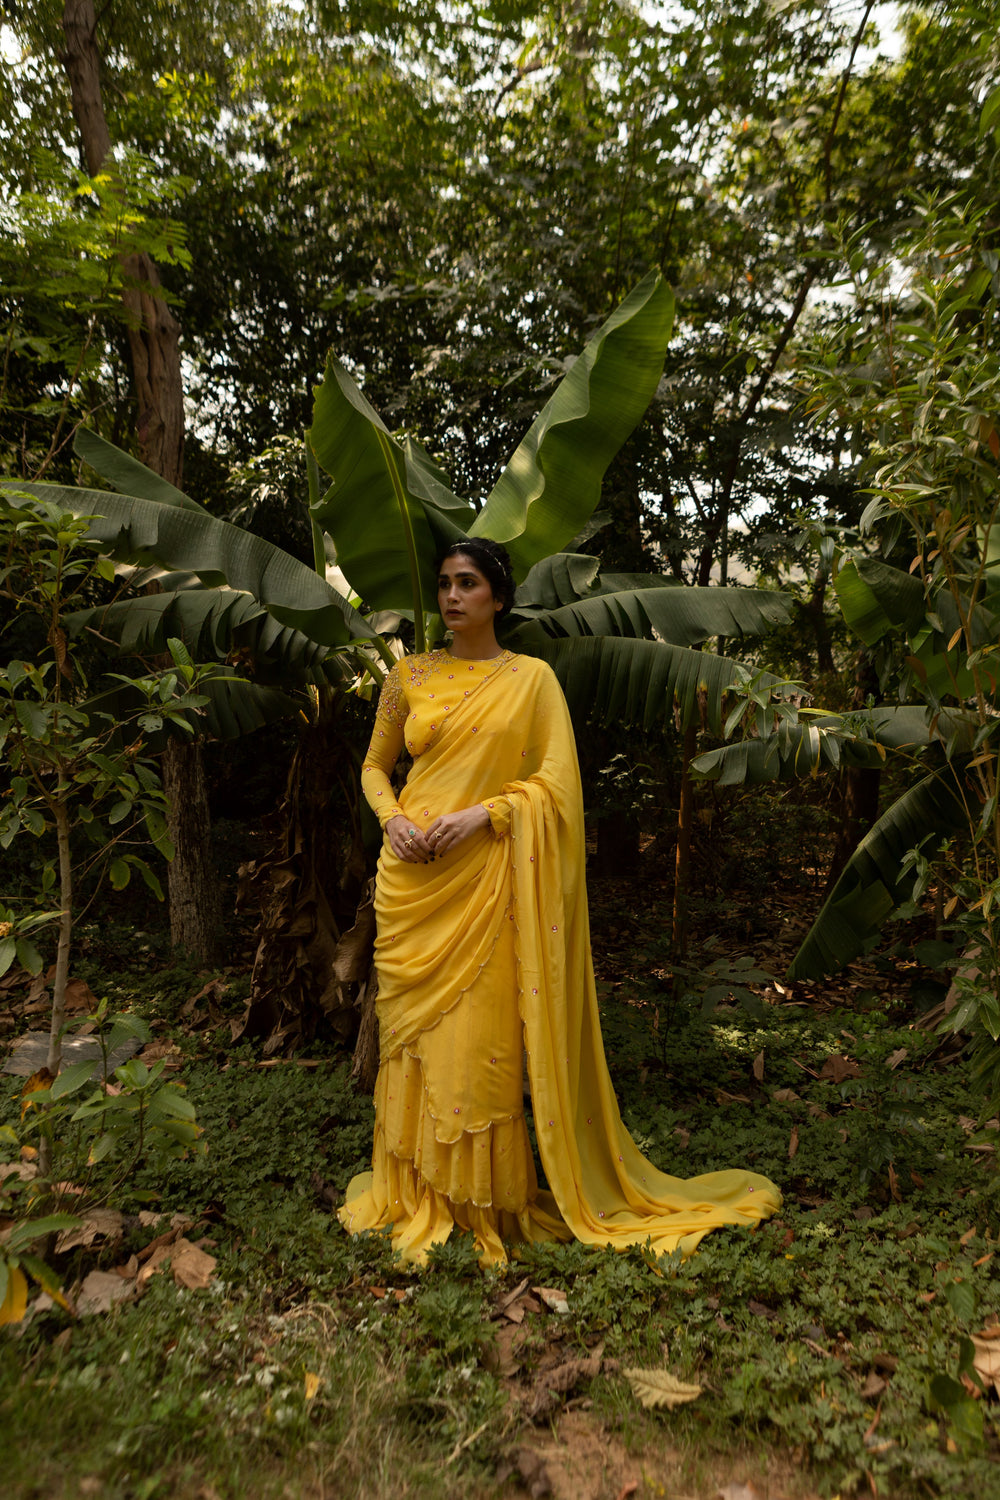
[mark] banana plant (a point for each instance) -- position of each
(888, 610)
(624, 646)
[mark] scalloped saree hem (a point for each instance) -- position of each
(394, 1199)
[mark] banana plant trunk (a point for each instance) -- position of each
(316, 923)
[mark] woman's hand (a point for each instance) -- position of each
(407, 842)
(452, 829)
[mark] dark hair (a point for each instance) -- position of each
(493, 561)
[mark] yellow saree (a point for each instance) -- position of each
(485, 951)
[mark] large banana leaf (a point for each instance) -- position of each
(126, 473)
(942, 667)
(876, 599)
(553, 481)
(871, 887)
(389, 510)
(682, 616)
(143, 531)
(626, 681)
(213, 624)
(568, 576)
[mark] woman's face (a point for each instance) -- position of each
(465, 595)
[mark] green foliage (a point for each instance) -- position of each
(64, 244)
(787, 1327)
(66, 758)
(98, 1137)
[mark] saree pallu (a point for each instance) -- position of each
(482, 957)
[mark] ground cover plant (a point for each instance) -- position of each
(846, 1347)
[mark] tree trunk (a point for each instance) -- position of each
(65, 938)
(195, 913)
(153, 337)
(860, 785)
(815, 615)
(682, 867)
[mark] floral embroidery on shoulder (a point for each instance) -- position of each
(424, 666)
(392, 703)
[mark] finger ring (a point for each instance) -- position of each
(407, 842)
(437, 835)
(412, 832)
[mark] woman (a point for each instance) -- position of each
(483, 950)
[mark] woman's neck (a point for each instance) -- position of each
(478, 647)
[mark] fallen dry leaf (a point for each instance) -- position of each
(213, 990)
(784, 1096)
(554, 1299)
(178, 1224)
(502, 1356)
(189, 1266)
(660, 1388)
(838, 1068)
(101, 1290)
(160, 1051)
(560, 1380)
(100, 1224)
(793, 1142)
(758, 1066)
(737, 1492)
(148, 1219)
(986, 1360)
(873, 1387)
(760, 1309)
(79, 996)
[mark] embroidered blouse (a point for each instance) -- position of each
(417, 695)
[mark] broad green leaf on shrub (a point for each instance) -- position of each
(15, 1298)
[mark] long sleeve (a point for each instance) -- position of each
(500, 810)
(384, 750)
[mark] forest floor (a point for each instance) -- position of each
(229, 1340)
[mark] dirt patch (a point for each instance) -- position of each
(577, 1459)
(580, 1458)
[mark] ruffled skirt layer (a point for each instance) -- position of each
(421, 1186)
